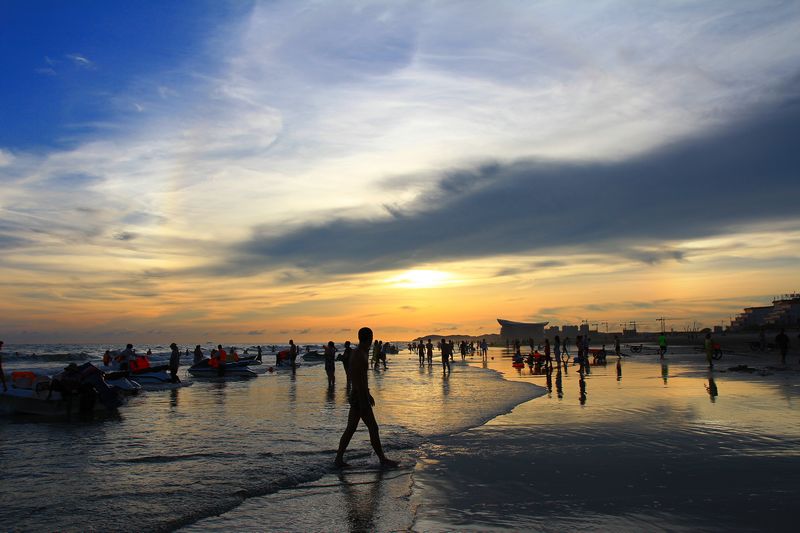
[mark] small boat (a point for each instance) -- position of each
(233, 369)
(314, 355)
(78, 389)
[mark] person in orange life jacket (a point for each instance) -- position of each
(233, 356)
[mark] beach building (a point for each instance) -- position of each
(784, 312)
(510, 330)
(569, 331)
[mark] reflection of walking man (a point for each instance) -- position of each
(361, 402)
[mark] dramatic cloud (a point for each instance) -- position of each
(744, 174)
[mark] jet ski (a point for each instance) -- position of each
(76, 390)
(232, 369)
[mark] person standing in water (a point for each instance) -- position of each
(174, 363)
(361, 403)
(446, 356)
(345, 359)
(421, 350)
(782, 341)
(662, 344)
(198, 354)
(708, 345)
(258, 357)
(547, 360)
(557, 350)
(429, 352)
(293, 354)
(330, 363)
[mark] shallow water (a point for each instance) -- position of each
(173, 458)
(646, 446)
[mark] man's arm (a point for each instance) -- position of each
(358, 377)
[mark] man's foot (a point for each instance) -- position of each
(339, 462)
(388, 463)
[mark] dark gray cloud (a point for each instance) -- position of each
(699, 187)
(125, 236)
(7, 242)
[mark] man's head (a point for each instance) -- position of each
(346, 344)
(364, 336)
(130, 346)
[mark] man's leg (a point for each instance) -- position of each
(352, 423)
(374, 437)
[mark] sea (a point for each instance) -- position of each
(178, 458)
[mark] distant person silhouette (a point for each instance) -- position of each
(198, 354)
(174, 363)
(421, 349)
(330, 363)
(345, 359)
(782, 341)
(429, 352)
(708, 345)
(446, 348)
(293, 354)
(361, 402)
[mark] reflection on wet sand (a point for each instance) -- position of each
(711, 388)
(559, 384)
(664, 371)
(362, 494)
(173, 398)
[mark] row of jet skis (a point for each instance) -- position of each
(85, 388)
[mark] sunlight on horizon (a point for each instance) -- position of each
(421, 279)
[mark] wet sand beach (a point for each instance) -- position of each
(665, 445)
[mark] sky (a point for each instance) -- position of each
(255, 171)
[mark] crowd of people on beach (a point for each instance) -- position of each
(546, 358)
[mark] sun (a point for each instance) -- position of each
(420, 279)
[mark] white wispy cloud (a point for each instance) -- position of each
(80, 60)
